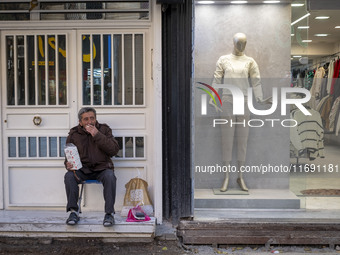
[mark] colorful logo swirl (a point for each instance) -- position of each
(209, 93)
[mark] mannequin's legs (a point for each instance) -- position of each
(226, 180)
(240, 179)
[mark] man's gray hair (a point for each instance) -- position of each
(85, 110)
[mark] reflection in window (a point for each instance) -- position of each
(107, 70)
(30, 49)
(62, 91)
(41, 71)
(139, 147)
(76, 10)
(52, 99)
(21, 70)
(10, 70)
(120, 143)
(97, 77)
(35, 56)
(113, 69)
(118, 70)
(86, 68)
(128, 147)
(128, 71)
(131, 147)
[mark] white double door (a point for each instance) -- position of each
(46, 77)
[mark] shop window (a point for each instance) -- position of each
(113, 69)
(36, 70)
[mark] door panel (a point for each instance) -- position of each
(36, 115)
(48, 76)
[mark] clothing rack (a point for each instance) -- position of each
(327, 59)
(323, 61)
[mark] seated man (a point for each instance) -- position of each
(96, 145)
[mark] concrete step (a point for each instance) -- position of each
(52, 224)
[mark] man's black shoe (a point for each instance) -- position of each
(108, 220)
(72, 219)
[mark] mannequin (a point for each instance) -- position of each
(242, 71)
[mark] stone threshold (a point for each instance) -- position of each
(52, 224)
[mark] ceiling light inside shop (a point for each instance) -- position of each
(292, 34)
(322, 17)
(321, 35)
(337, 27)
(297, 56)
(306, 40)
(271, 2)
(297, 5)
(205, 2)
(239, 2)
(299, 19)
(303, 27)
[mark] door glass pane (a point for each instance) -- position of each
(12, 147)
(53, 147)
(62, 143)
(128, 147)
(31, 69)
(21, 70)
(120, 143)
(107, 70)
(128, 74)
(41, 71)
(139, 70)
(42, 147)
(117, 56)
(86, 70)
(22, 146)
(10, 70)
(51, 71)
(97, 81)
(139, 147)
(32, 146)
(62, 69)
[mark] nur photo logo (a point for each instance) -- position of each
(204, 97)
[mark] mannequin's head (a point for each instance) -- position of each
(240, 42)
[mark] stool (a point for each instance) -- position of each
(81, 191)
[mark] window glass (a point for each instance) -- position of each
(21, 70)
(52, 99)
(62, 70)
(97, 72)
(86, 70)
(36, 65)
(118, 73)
(41, 70)
(31, 69)
(113, 69)
(10, 70)
(139, 70)
(128, 70)
(107, 75)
